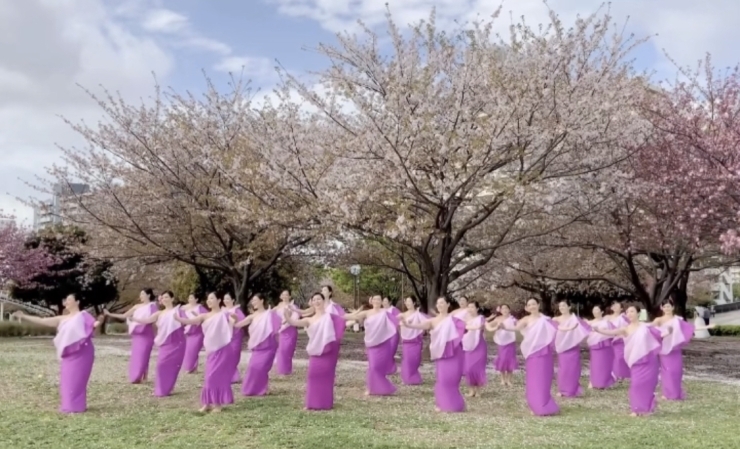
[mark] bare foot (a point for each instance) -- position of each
(663, 398)
(633, 414)
(367, 393)
(217, 410)
(558, 394)
(437, 409)
(203, 409)
(590, 387)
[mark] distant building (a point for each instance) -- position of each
(722, 288)
(49, 213)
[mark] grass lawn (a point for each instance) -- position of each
(127, 416)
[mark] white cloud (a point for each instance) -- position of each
(164, 21)
(257, 68)
(686, 29)
(46, 48)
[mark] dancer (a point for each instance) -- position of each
(170, 340)
(643, 343)
(568, 348)
(462, 311)
(75, 350)
(217, 331)
(142, 335)
(601, 359)
(390, 307)
(446, 351)
(325, 331)
(288, 336)
(193, 335)
(671, 357)
(236, 337)
(475, 350)
(617, 319)
(264, 326)
(412, 342)
(506, 362)
(539, 333)
(380, 327)
(329, 305)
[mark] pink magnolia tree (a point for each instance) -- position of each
(19, 264)
(450, 146)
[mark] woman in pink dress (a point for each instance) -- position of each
(412, 342)
(446, 350)
(380, 327)
(264, 325)
(236, 338)
(325, 331)
(475, 350)
(568, 347)
(462, 309)
(539, 333)
(642, 345)
(329, 305)
(75, 351)
(288, 335)
(671, 357)
(193, 335)
(142, 335)
(506, 362)
(601, 354)
(217, 327)
(389, 307)
(617, 319)
(170, 340)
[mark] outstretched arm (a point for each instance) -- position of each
(423, 326)
(120, 316)
(562, 328)
(621, 332)
(148, 320)
(48, 322)
(307, 312)
(240, 324)
(196, 320)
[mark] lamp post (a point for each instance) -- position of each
(355, 271)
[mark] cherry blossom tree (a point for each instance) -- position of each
(194, 180)
(448, 135)
(18, 263)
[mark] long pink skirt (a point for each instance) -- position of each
(141, 351)
(74, 375)
(236, 355)
(217, 380)
(411, 351)
(169, 363)
(644, 380)
(600, 366)
(379, 360)
(449, 372)
(287, 340)
(193, 345)
(395, 340)
(320, 377)
(671, 375)
(540, 369)
(475, 365)
(257, 376)
(620, 368)
(569, 373)
(506, 361)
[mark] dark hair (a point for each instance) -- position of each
(616, 301)
(286, 290)
(169, 293)
(533, 299)
(414, 300)
(601, 308)
(261, 298)
(74, 296)
(149, 293)
(328, 287)
(507, 306)
(477, 307)
(392, 302)
(667, 301)
(318, 294)
(635, 305)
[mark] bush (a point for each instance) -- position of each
(116, 328)
(16, 329)
(725, 331)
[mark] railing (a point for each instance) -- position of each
(30, 307)
(722, 308)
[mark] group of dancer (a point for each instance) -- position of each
(620, 347)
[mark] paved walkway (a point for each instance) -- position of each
(726, 318)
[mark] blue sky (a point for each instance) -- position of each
(48, 46)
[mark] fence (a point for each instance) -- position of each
(729, 307)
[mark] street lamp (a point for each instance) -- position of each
(355, 271)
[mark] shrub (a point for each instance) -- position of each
(16, 329)
(725, 331)
(116, 328)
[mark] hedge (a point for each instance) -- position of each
(16, 329)
(725, 331)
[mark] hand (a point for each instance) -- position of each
(106, 312)
(234, 316)
(711, 326)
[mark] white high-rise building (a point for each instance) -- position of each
(49, 212)
(722, 288)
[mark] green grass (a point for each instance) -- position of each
(127, 416)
